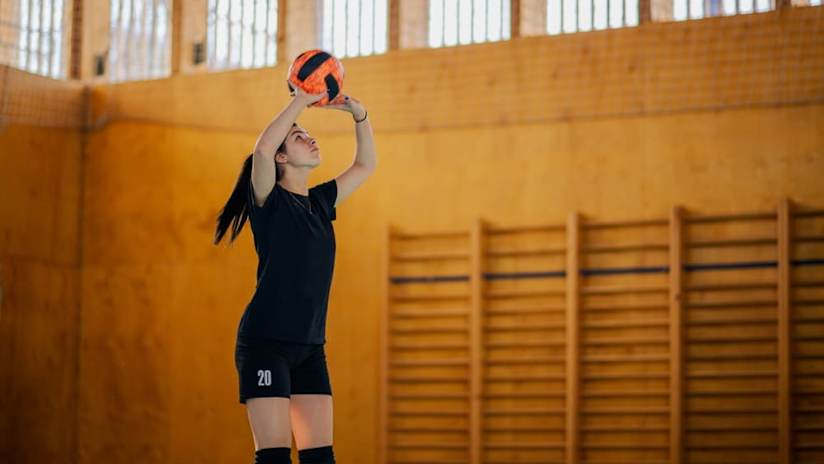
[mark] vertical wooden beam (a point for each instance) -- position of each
(383, 351)
(394, 24)
(676, 334)
(177, 35)
(282, 51)
(784, 332)
(76, 42)
(644, 11)
(572, 337)
(476, 348)
(515, 18)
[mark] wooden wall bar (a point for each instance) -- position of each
(696, 338)
(806, 309)
(784, 335)
(676, 332)
(573, 340)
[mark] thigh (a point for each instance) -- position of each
(263, 375)
(311, 420)
(311, 403)
(270, 422)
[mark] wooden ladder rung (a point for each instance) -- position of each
(428, 330)
(525, 394)
(533, 252)
(732, 304)
(741, 242)
(424, 379)
(431, 255)
(546, 445)
(502, 230)
(808, 239)
(626, 376)
(597, 249)
(622, 289)
(525, 310)
(618, 411)
(430, 346)
(419, 313)
(711, 374)
(524, 376)
(626, 341)
(430, 296)
(619, 358)
(523, 360)
(445, 396)
(519, 343)
(623, 446)
(624, 393)
(620, 224)
(705, 393)
(430, 362)
(626, 324)
(733, 339)
(429, 412)
(511, 411)
(618, 307)
(526, 327)
(398, 235)
(731, 286)
(525, 292)
(433, 445)
(703, 219)
(721, 320)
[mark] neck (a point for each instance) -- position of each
(295, 181)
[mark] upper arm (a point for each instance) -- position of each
(350, 179)
(263, 176)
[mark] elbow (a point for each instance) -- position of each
(367, 168)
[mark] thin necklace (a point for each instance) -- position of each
(300, 202)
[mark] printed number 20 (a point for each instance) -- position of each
(264, 377)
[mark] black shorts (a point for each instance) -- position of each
(280, 368)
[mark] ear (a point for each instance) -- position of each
(280, 157)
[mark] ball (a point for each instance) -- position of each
(316, 71)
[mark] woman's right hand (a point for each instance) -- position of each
(308, 98)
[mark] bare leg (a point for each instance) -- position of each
(312, 419)
(270, 423)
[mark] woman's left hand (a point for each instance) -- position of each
(348, 104)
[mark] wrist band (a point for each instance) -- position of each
(365, 114)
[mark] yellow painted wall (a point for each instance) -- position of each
(615, 124)
(40, 188)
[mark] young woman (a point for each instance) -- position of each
(279, 353)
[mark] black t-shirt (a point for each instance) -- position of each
(296, 257)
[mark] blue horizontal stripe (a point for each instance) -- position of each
(723, 266)
(418, 279)
(604, 271)
(522, 275)
(625, 270)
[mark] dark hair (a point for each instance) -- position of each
(236, 211)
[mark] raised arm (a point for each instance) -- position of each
(263, 158)
(365, 160)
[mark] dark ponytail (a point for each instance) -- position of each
(236, 209)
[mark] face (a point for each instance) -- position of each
(302, 149)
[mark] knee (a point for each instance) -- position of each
(322, 455)
(273, 456)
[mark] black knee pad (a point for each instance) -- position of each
(322, 455)
(273, 456)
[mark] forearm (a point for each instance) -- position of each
(273, 135)
(365, 152)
